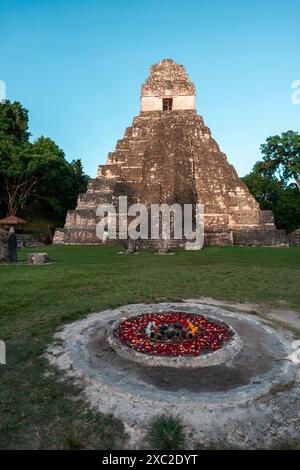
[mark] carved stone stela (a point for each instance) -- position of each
(168, 155)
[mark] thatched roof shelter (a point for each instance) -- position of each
(12, 220)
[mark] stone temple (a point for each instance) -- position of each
(169, 156)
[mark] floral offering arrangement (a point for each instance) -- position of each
(173, 334)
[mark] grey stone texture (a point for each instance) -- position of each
(252, 400)
(4, 255)
(171, 157)
(294, 238)
(38, 258)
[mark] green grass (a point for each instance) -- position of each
(166, 433)
(38, 411)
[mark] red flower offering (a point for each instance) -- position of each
(173, 334)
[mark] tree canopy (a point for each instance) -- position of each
(274, 181)
(37, 170)
(281, 157)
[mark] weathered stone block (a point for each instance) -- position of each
(294, 238)
(38, 258)
(4, 254)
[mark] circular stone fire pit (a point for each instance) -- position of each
(174, 339)
(247, 401)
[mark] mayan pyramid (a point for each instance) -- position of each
(168, 155)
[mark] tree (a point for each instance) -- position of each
(14, 122)
(55, 176)
(80, 178)
(34, 171)
(265, 189)
(272, 194)
(37, 170)
(281, 158)
(16, 180)
(287, 209)
(19, 172)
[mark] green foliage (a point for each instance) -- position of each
(293, 444)
(287, 209)
(80, 178)
(265, 190)
(13, 137)
(13, 123)
(34, 171)
(274, 195)
(281, 157)
(41, 219)
(166, 433)
(56, 183)
(270, 181)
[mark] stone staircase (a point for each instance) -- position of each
(167, 157)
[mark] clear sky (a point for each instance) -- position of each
(78, 65)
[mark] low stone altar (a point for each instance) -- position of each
(38, 258)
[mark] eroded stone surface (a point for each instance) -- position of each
(38, 258)
(294, 238)
(171, 157)
(253, 401)
(4, 258)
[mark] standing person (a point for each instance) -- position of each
(12, 246)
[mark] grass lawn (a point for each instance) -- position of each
(39, 411)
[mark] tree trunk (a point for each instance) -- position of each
(4, 255)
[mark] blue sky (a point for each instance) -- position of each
(78, 66)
